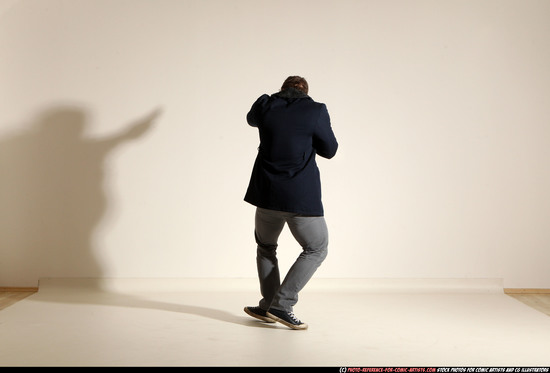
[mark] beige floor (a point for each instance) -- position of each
(8, 298)
(540, 302)
(83, 323)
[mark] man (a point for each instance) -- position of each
(285, 187)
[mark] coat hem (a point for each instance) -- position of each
(292, 211)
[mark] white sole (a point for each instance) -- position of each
(285, 323)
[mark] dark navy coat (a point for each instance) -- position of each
(293, 129)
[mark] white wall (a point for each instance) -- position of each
(441, 109)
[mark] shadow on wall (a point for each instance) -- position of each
(52, 196)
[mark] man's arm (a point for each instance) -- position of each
(254, 115)
(324, 141)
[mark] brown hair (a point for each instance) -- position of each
(296, 82)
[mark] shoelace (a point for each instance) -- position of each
(293, 317)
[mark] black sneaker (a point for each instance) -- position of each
(286, 318)
(258, 313)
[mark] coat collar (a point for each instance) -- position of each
(291, 93)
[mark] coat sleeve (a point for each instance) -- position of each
(324, 141)
(254, 115)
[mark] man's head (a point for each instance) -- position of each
(296, 82)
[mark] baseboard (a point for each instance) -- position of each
(251, 284)
(322, 281)
(526, 291)
(18, 289)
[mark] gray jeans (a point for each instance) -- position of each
(310, 232)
